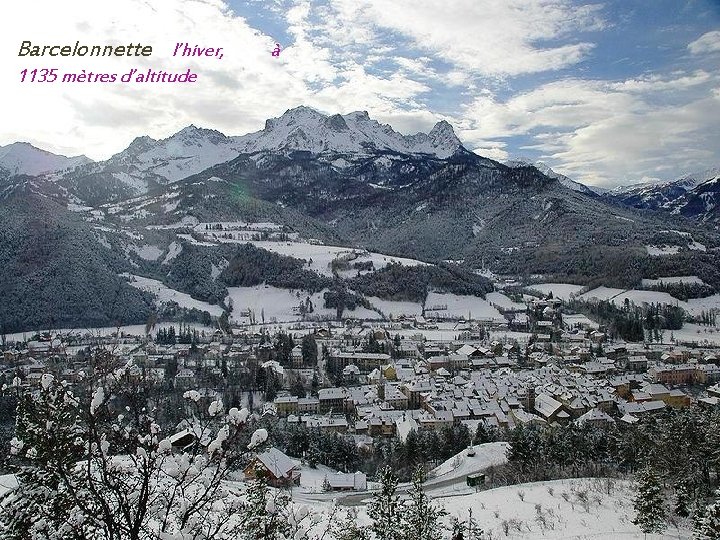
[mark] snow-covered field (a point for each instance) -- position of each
(697, 305)
(163, 293)
(559, 290)
(7, 482)
(690, 333)
(322, 255)
(647, 297)
(694, 306)
(600, 293)
(443, 305)
(659, 251)
(571, 319)
(392, 309)
(578, 509)
(148, 252)
(501, 301)
(282, 305)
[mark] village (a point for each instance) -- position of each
(376, 380)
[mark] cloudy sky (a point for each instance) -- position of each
(608, 92)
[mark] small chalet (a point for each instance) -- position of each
(275, 467)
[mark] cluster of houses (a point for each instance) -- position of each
(409, 379)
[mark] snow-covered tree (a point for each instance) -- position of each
(95, 464)
(269, 515)
(707, 526)
(348, 527)
(420, 519)
(649, 502)
(384, 509)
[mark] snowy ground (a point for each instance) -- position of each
(559, 290)
(462, 464)
(575, 508)
(163, 293)
(659, 251)
(694, 306)
(443, 305)
(282, 305)
(689, 333)
(499, 300)
(393, 309)
(7, 482)
(322, 255)
(600, 293)
(570, 320)
(578, 509)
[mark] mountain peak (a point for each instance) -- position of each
(547, 171)
(304, 128)
(24, 158)
(442, 136)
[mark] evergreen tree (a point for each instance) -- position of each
(384, 508)
(309, 350)
(707, 526)
(263, 513)
(682, 497)
(348, 528)
(649, 502)
(421, 520)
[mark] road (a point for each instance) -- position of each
(360, 498)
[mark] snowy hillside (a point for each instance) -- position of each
(575, 508)
(24, 158)
(571, 509)
(459, 466)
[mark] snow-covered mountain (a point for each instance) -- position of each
(692, 195)
(24, 158)
(547, 171)
(192, 149)
(187, 152)
(306, 129)
(147, 163)
(684, 183)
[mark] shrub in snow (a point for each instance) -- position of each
(85, 471)
(258, 438)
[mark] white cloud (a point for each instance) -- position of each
(604, 132)
(483, 36)
(707, 43)
(234, 95)
(407, 63)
